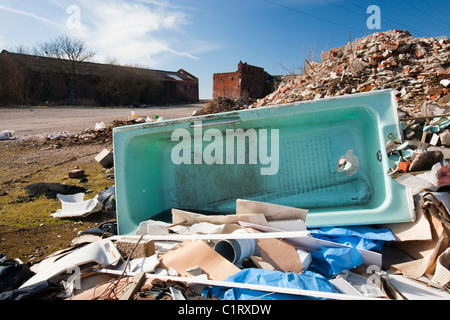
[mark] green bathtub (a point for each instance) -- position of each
(327, 156)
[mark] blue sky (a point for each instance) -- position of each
(211, 36)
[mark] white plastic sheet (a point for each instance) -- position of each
(75, 206)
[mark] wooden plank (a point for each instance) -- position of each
(134, 286)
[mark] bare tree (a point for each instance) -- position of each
(71, 53)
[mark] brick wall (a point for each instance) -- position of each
(247, 81)
(227, 85)
(252, 80)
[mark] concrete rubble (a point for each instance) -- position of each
(417, 68)
(213, 257)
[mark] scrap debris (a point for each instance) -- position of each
(181, 261)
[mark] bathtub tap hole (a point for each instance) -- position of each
(348, 163)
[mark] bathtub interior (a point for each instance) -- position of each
(329, 162)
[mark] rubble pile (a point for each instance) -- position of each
(101, 134)
(223, 104)
(417, 68)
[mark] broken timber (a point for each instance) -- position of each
(133, 287)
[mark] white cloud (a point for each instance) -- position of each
(163, 3)
(30, 14)
(132, 32)
(142, 32)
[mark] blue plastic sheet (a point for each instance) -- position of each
(307, 280)
(359, 237)
(332, 261)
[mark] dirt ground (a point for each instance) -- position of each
(27, 230)
(43, 120)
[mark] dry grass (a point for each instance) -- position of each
(27, 231)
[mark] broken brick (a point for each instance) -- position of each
(403, 166)
(390, 46)
(284, 89)
(435, 91)
(443, 176)
(434, 97)
(76, 174)
(419, 52)
(443, 74)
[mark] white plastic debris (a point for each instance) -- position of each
(146, 264)
(100, 126)
(6, 135)
(75, 206)
(152, 227)
(102, 252)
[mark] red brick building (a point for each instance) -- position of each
(247, 81)
(34, 80)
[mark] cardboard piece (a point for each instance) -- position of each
(270, 211)
(261, 264)
(103, 290)
(423, 253)
(426, 238)
(439, 202)
(280, 254)
(197, 253)
(180, 217)
(417, 230)
(442, 273)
